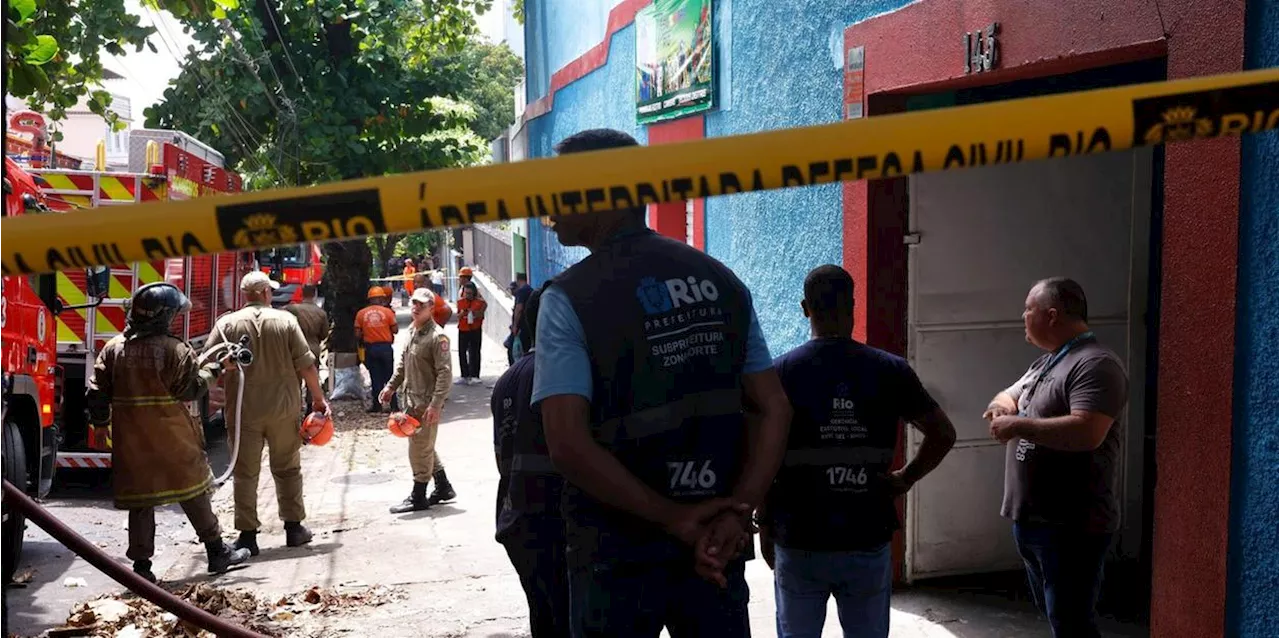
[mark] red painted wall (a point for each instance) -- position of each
(669, 219)
(1197, 336)
(1197, 342)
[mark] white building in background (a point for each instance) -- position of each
(82, 129)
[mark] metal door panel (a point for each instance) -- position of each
(984, 358)
(987, 235)
(968, 535)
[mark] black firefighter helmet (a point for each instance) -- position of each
(153, 308)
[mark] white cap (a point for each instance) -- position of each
(257, 280)
(422, 295)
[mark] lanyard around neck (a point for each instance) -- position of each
(1053, 361)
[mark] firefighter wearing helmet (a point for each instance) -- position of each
(139, 383)
(423, 378)
(375, 329)
(272, 403)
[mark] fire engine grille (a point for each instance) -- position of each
(201, 295)
(227, 281)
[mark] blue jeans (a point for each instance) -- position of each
(380, 359)
(1064, 570)
(637, 599)
(861, 582)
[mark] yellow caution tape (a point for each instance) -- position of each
(887, 146)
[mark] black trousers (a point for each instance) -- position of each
(537, 551)
(380, 359)
(469, 353)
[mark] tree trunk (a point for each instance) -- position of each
(386, 244)
(346, 283)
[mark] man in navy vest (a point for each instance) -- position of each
(664, 415)
(826, 525)
(529, 525)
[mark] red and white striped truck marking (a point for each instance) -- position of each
(85, 460)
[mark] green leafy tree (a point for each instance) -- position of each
(305, 92)
(485, 73)
(52, 49)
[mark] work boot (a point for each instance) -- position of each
(222, 556)
(443, 492)
(374, 409)
(248, 540)
(295, 535)
(417, 500)
(143, 569)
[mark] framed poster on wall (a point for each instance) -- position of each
(674, 55)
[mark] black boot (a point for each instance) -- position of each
(417, 500)
(295, 535)
(443, 491)
(143, 569)
(248, 540)
(222, 556)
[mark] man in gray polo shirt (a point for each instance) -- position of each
(1061, 426)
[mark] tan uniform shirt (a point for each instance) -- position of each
(314, 323)
(272, 393)
(425, 370)
(157, 447)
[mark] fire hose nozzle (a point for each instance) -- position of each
(240, 352)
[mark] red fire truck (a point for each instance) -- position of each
(293, 266)
(33, 386)
(209, 281)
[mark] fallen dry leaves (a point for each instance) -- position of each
(127, 616)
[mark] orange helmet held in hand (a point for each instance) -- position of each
(316, 429)
(403, 425)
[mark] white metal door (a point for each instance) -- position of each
(985, 236)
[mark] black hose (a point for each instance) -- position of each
(16, 499)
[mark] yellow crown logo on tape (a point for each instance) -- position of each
(1180, 124)
(1179, 115)
(263, 230)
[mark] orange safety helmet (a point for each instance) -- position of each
(386, 291)
(317, 429)
(377, 291)
(403, 425)
(465, 272)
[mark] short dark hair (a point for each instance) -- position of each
(828, 292)
(528, 327)
(596, 139)
(599, 139)
(471, 285)
(1066, 295)
(309, 290)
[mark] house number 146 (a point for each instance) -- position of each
(982, 49)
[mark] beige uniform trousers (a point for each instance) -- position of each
(285, 459)
(142, 526)
(423, 459)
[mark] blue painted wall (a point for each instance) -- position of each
(603, 98)
(556, 33)
(785, 72)
(1252, 566)
(782, 64)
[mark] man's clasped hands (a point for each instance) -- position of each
(718, 529)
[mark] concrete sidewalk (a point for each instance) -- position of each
(457, 578)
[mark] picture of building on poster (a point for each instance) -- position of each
(673, 59)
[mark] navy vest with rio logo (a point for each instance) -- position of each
(666, 330)
(848, 400)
